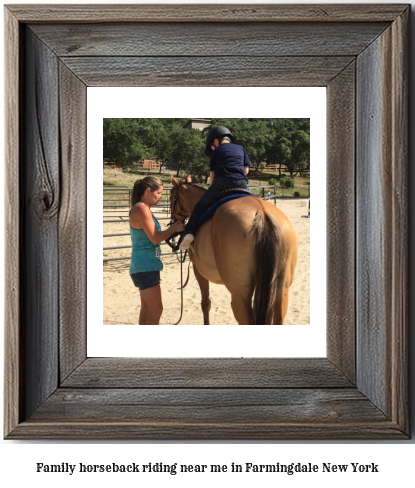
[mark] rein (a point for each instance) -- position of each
(182, 259)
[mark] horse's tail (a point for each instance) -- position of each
(268, 250)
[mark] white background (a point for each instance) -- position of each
(302, 340)
(395, 459)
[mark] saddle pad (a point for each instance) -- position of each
(208, 214)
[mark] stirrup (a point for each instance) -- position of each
(174, 246)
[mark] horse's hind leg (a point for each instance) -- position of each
(281, 300)
(204, 290)
(280, 306)
(242, 308)
(285, 281)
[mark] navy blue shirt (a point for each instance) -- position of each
(229, 161)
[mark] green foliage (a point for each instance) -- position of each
(290, 145)
(131, 140)
(121, 144)
(273, 181)
(286, 183)
(271, 141)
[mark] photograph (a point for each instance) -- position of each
(250, 261)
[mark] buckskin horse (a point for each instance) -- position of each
(249, 245)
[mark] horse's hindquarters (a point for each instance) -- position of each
(233, 245)
(203, 257)
(223, 248)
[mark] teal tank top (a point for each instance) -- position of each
(145, 255)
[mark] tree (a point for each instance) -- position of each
(121, 144)
(290, 145)
(183, 149)
(301, 150)
(197, 161)
(277, 141)
(280, 153)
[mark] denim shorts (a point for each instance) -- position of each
(146, 280)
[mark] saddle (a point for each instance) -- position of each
(224, 197)
(233, 191)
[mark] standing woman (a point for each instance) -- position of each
(146, 235)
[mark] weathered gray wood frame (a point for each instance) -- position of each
(359, 52)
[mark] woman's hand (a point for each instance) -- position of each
(177, 226)
(142, 218)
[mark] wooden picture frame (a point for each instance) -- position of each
(359, 391)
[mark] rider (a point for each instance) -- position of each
(229, 167)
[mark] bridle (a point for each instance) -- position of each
(176, 211)
(175, 207)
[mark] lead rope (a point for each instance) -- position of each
(182, 259)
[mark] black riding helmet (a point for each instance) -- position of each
(217, 133)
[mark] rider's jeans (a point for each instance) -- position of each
(209, 198)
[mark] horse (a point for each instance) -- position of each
(249, 245)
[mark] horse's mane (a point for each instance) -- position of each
(198, 186)
(184, 182)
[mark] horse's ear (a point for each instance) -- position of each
(188, 179)
(173, 180)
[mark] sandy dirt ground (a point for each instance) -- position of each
(122, 301)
